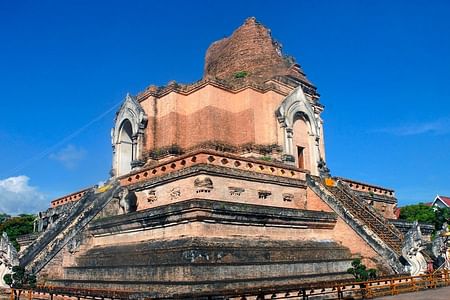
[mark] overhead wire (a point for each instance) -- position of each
(55, 146)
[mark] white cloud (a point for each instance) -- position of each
(70, 156)
(17, 196)
(436, 127)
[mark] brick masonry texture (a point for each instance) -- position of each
(249, 49)
(208, 220)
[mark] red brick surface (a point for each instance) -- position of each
(251, 49)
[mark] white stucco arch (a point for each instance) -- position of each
(127, 136)
(297, 103)
(124, 147)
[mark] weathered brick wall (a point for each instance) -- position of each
(224, 189)
(213, 114)
(250, 49)
(345, 235)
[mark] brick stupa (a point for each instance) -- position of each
(218, 186)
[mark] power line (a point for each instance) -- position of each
(52, 148)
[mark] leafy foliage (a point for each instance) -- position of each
(172, 149)
(417, 212)
(17, 226)
(427, 214)
(442, 216)
(266, 158)
(240, 74)
(4, 217)
(360, 271)
(20, 278)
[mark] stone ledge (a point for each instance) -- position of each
(404, 226)
(188, 251)
(204, 169)
(211, 281)
(188, 290)
(201, 210)
(243, 166)
(375, 197)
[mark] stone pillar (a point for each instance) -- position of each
(289, 147)
(289, 134)
(134, 142)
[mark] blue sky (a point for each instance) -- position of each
(382, 69)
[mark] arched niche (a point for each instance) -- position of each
(301, 140)
(125, 148)
(128, 137)
(301, 127)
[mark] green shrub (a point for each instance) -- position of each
(240, 74)
(360, 271)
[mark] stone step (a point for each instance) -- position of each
(377, 223)
(84, 210)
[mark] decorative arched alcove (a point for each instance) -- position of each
(301, 127)
(125, 148)
(128, 137)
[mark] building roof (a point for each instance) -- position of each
(397, 212)
(443, 199)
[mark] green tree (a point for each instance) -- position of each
(418, 212)
(426, 214)
(4, 217)
(360, 271)
(17, 226)
(442, 215)
(19, 279)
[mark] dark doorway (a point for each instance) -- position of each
(300, 157)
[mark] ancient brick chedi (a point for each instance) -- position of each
(217, 185)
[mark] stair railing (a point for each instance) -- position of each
(380, 220)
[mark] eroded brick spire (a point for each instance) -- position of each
(250, 54)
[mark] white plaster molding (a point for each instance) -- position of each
(133, 112)
(294, 103)
(297, 103)
(130, 110)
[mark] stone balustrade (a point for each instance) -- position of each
(69, 198)
(217, 159)
(368, 188)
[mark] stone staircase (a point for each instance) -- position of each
(364, 219)
(374, 220)
(51, 241)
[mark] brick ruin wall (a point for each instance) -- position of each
(212, 115)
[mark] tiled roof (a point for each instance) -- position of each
(397, 212)
(445, 200)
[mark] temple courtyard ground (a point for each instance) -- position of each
(434, 294)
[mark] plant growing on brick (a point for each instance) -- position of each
(240, 74)
(360, 271)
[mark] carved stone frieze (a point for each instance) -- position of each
(288, 197)
(412, 251)
(203, 184)
(175, 193)
(235, 191)
(8, 258)
(127, 202)
(439, 248)
(151, 196)
(264, 194)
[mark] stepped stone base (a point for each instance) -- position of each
(187, 247)
(208, 245)
(194, 264)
